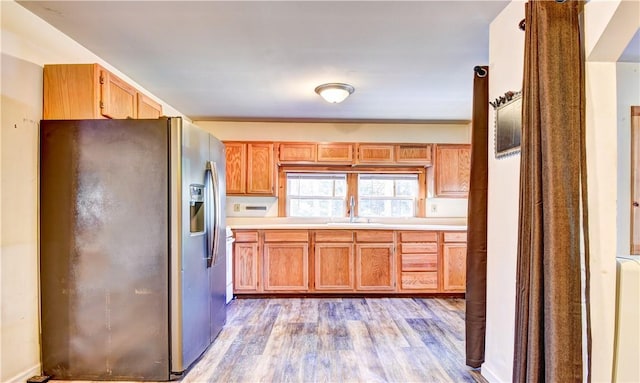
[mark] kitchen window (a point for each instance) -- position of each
(377, 192)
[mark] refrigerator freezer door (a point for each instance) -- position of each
(190, 277)
(104, 249)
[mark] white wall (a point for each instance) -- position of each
(627, 95)
(609, 86)
(338, 132)
(27, 44)
(610, 25)
(506, 63)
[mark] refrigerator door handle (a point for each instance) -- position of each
(213, 236)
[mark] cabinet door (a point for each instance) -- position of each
(245, 267)
(333, 266)
(375, 267)
(260, 169)
(375, 154)
(71, 91)
(294, 153)
(236, 157)
(453, 164)
(118, 99)
(148, 108)
(286, 266)
(454, 266)
(414, 154)
(335, 154)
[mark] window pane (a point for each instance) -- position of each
(316, 195)
(407, 188)
(387, 195)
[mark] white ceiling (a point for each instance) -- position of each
(263, 59)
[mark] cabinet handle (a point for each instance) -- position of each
(635, 204)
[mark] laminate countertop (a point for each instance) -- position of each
(440, 224)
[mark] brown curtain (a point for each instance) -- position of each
(476, 296)
(548, 328)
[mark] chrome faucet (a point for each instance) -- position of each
(352, 207)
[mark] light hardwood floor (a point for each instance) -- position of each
(339, 340)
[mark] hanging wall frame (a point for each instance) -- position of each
(508, 124)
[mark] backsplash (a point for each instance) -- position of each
(268, 207)
(446, 207)
(252, 206)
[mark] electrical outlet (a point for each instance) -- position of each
(434, 208)
(236, 207)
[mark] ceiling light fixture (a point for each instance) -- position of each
(334, 92)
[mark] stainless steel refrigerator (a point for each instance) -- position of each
(132, 247)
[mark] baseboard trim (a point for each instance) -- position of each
(489, 375)
(26, 374)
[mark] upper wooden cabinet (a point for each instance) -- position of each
(452, 170)
(335, 154)
(311, 153)
(148, 108)
(375, 154)
(414, 154)
(88, 91)
(250, 168)
(394, 154)
(297, 152)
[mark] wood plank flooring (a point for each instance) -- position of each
(339, 340)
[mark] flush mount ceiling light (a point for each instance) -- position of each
(334, 92)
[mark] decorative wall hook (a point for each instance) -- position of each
(508, 96)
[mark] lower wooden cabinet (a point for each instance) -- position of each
(333, 260)
(375, 267)
(286, 266)
(454, 267)
(375, 260)
(349, 261)
(454, 262)
(333, 266)
(245, 267)
(418, 261)
(285, 260)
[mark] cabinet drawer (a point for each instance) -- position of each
(334, 236)
(420, 281)
(427, 247)
(374, 236)
(456, 237)
(286, 236)
(418, 236)
(246, 236)
(419, 262)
